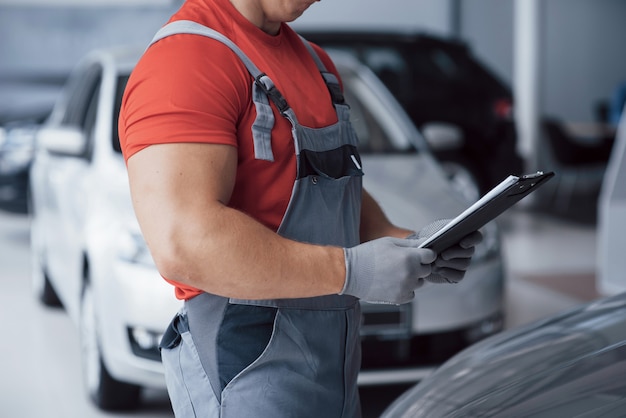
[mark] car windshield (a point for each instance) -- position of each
(379, 129)
(402, 71)
(409, 66)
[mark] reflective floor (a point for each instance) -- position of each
(550, 263)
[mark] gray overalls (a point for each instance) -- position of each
(278, 358)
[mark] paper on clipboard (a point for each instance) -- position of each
(497, 200)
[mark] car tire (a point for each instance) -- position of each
(106, 392)
(46, 293)
(41, 285)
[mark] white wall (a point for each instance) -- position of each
(582, 58)
(39, 45)
(51, 39)
(84, 3)
(428, 15)
(487, 26)
(51, 35)
(582, 44)
(584, 55)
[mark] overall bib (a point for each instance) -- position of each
(298, 358)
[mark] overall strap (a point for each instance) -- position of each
(262, 88)
(331, 80)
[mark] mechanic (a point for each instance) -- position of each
(246, 182)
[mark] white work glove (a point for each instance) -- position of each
(452, 263)
(386, 270)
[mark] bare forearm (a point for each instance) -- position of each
(180, 194)
(227, 253)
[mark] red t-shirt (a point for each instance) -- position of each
(189, 88)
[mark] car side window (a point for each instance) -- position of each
(119, 95)
(84, 87)
(82, 102)
(89, 120)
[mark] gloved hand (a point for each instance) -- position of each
(386, 270)
(452, 263)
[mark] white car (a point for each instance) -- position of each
(88, 254)
(86, 245)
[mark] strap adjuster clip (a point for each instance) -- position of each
(272, 92)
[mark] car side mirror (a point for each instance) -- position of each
(68, 141)
(442, 136)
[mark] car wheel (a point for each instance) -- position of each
(41, 285)
(46, 293)
(463, 179)
(104, 390)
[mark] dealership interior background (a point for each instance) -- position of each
(562, 58)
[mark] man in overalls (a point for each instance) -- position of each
(246, 181)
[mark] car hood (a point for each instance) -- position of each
(412, 189)
(571, 365)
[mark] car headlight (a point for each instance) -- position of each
(17, 150)
(132, 248)
(145, 343)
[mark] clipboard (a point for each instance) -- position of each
(510, 191)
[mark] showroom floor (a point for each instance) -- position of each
(551, 263)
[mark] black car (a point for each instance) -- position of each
(440, 83)
(17, 144)
(25, 103)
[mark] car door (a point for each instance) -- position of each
(67, 188)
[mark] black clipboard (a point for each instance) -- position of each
(510, 191)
